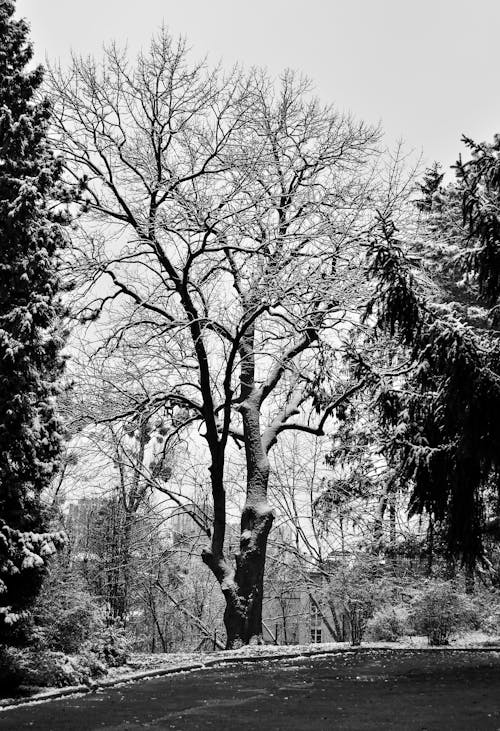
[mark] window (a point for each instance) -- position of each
(316, 635)
(315, 617)
(315, 624)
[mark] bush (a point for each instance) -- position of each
(488, 610)
(441, 611)
(389, 624)
(48, 668)
(70, 630)
(65, 614)
(95, 667)
(111, 645)
(73, 622)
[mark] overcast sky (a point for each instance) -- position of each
(428, 71)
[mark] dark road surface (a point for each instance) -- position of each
(441, 690)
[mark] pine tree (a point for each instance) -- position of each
(479, 187)
(430, 185)
(30, 315)
(447, 417)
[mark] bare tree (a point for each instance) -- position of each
(218, 243)
(113, 467)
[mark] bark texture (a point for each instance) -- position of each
(243, 614)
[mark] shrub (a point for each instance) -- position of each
(358, 612)
(71, 629)
(48, 668)
(441, 611)
(388, 624)
(360, 588)
(65, 614)
(111, 644)
(487, 606)
(88, 665)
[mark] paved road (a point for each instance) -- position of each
(387, 690)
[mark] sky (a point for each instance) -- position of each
(428, 71)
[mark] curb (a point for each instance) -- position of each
(214, 662)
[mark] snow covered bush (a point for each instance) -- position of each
(487, 606)
(111, 645)
(440, 611)
(388, 624)
(49, 669)
(72, 629)
(40, 668)
(65, 615)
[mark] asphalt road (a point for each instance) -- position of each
(443, 690)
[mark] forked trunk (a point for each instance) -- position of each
(242, 581)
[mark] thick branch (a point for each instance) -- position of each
(319, 429)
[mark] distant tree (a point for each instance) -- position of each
(430, 185)
(30, 311)
(124, 453)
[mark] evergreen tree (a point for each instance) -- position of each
(30, 313)
(429, 187)
(446, 419)
(479, 186)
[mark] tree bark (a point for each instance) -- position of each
(243, 613)
(241, 582)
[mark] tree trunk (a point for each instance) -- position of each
(430, 547)
(244, 590)
(340, 629)
(392, 521)
(450, 571)
(356, 622)
(378, 526)
(469, 579)
(124, 559)
(243, 613)
(242, 583)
